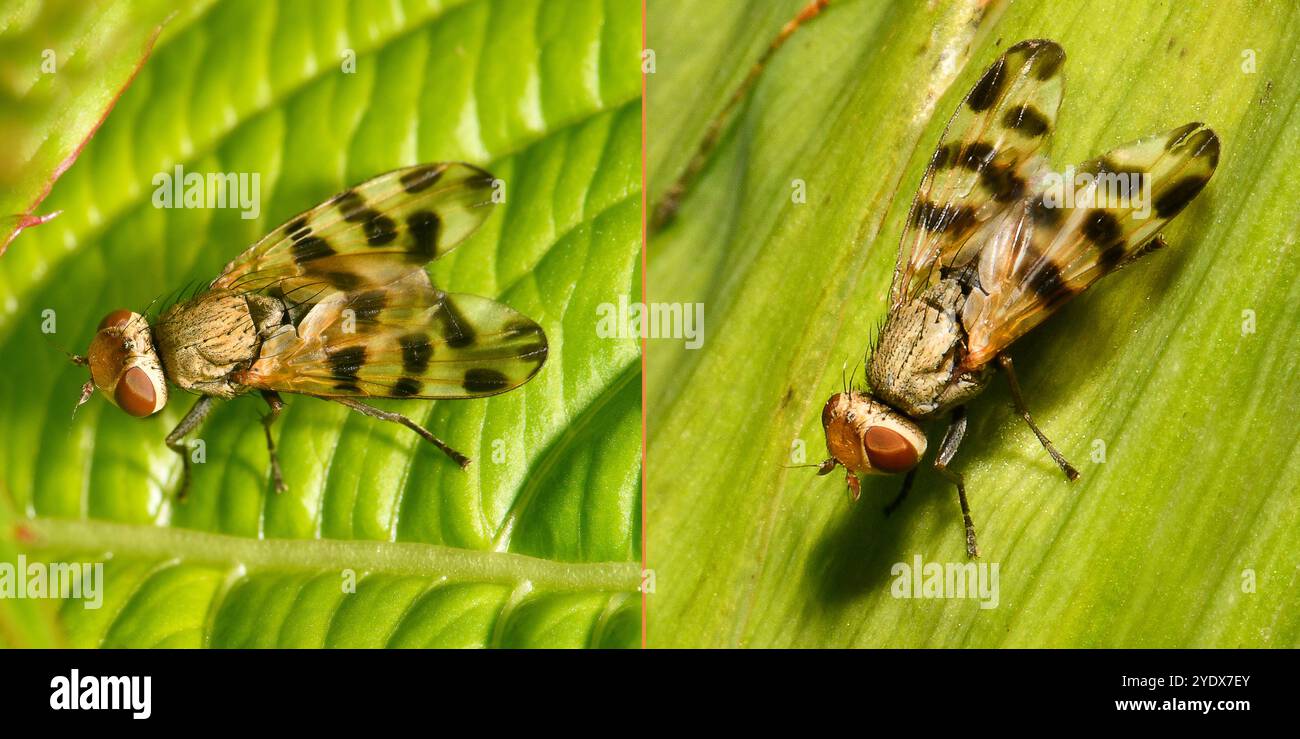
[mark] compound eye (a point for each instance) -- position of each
(135, 393)
(889, 451)
(115, 319)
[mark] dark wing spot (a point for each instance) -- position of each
(483, 180)
(345, 364)
(421, 178)
(1111, 256)
(953, 218)
(987, 90)
(481, 380)
(1003, 183)
(367, 305)
(536, 352)
(416, 351)
(1046, 59)
(962, 218)
(298, 229)
(351, 206)
(1172, 201)
(536, 349)
(1048, 284)
(424, 226)
(1045, 215)
(453, 325)
(1205, 145)
(380, 229)
(310, 248)
(976, 155)
(941, 157)
(521, 328)
(406, 387)
(1176, 138)
(1202, 142)
(1101, 227)
(345, 281)
(1027, 120)
(1112, 177)
(922, 212)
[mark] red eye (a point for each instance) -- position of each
(116, 318)
(135, 393)
(889, 451)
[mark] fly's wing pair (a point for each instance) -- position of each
(985, 209)
(367, 319)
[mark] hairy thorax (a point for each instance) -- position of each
(914, 367)
(204, 341)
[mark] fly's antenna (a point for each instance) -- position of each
(81, 361)
(822, 468)
(77, 359)
(86, 391)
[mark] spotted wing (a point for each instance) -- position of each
(407, 339)
(368, 236)
(1059, 242)
(984, 162)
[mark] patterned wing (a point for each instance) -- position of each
(1059, 242)
(984, 162)
(407, 339)
(370, 235)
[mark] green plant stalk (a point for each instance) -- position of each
(376, 557)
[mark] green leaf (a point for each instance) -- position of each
(65, 65)
(536, 543)
(1184, 536)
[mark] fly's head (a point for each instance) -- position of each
(124, 365)
(867, 437)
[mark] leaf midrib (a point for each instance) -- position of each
(450, 564)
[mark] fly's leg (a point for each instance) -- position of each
(176, 439)
(273, 400)
(951, 440)
(902, 493)
(1004, 361)
(374, 412)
